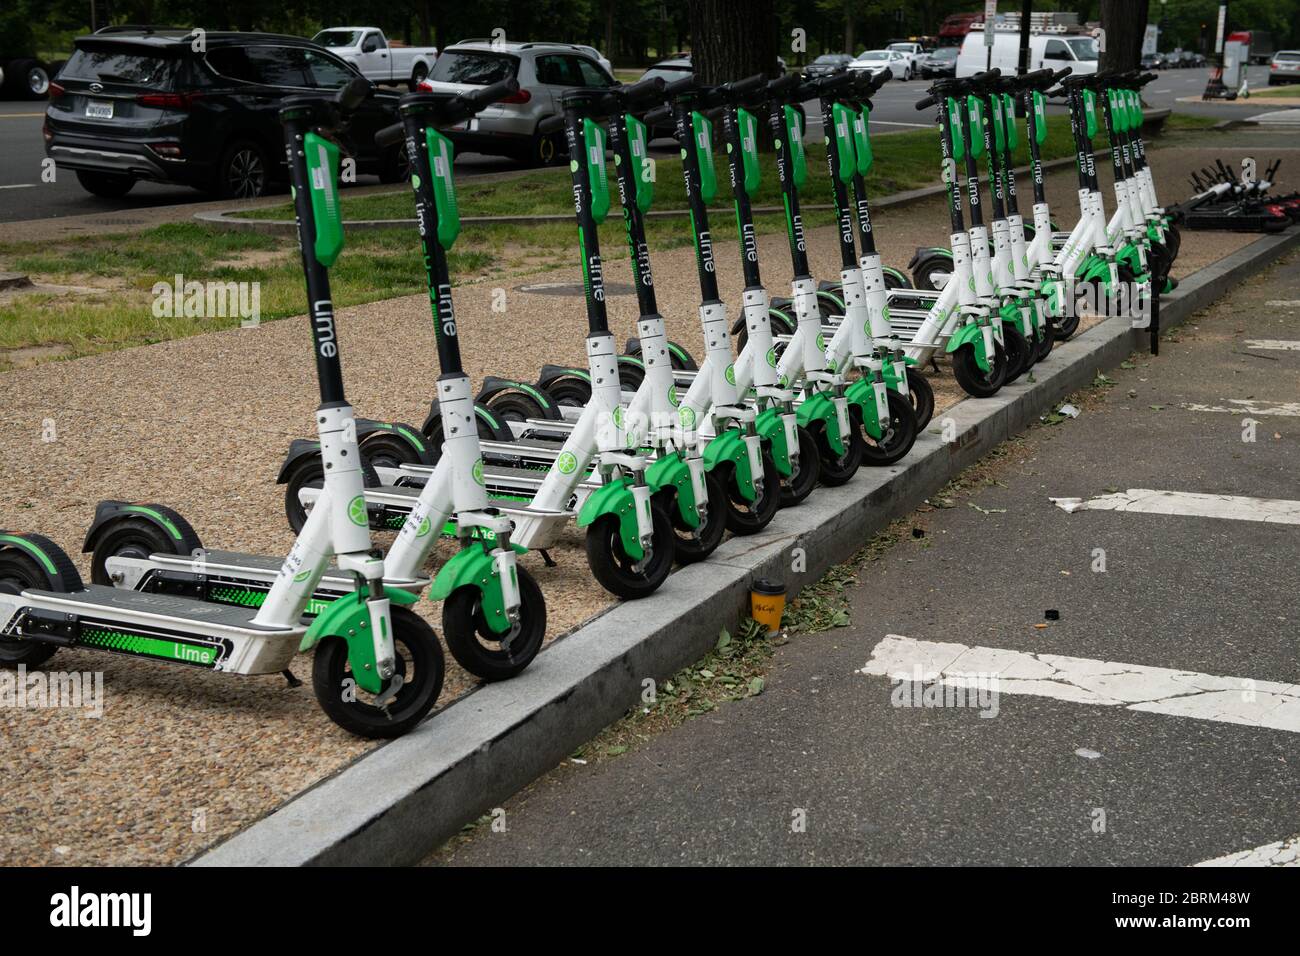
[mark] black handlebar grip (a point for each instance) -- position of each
(749, 85)
(677, 87)
(352, 94)
(828, 85)
(649, 90)
(880, 79)
(658, 115)
(389, 136)
(1062, 73)
(928, 102)
(782, 85)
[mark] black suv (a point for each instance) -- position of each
(144, 104)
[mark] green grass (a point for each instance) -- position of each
(1285, 90)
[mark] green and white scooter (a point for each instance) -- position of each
(598, 475)
(378, 668)
(494, 615)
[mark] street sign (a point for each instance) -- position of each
(1223, 20)
(1151, 40)
(990, 15)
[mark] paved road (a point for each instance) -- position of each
(886, 784)
(24, 196)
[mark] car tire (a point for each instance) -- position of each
(545, 150)
(243, 172)
(30, 79)
(105, 185)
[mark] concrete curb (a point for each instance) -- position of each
(398, 802)
(225, 219)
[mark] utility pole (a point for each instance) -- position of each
(1026, 11)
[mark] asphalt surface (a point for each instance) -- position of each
(881, 784)
(24, 196)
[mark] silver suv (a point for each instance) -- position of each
(509, 128)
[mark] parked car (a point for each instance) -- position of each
(828, 63)
(599, 57)
(1079, 53)
(1153, 61)
(377, 58)
(1285, 67)
(143, 104)
(878, 61)
(914, 52)
(941, 62)
(510, 127)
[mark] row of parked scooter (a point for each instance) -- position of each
(655, 455)
(1225, 201)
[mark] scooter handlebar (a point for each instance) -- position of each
(447, 111)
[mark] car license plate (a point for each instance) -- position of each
(99, 109)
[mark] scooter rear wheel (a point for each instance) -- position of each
(800, 485)
(696, 544)
(477, 648)
(897, 437)
(127, 538)
(419, 662)
(615, 570)
(921, 394)
(749, 517)
(974, 380)
(18, 572)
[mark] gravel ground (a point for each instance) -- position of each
(183, 758)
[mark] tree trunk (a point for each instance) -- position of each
(732, 39)
(1125, 22)
(848, 27)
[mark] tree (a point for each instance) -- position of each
(731, 39)
(1125, 22)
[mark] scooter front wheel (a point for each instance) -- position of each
(898, 435)
(1043, 342)
(18, 573)
(750, 517)
(837, 469)
(419, 663)
(1017, 350)
(921, 394)
(974, 380)
(479, 649)
(800, 485)
(696, 544)
(617, 571)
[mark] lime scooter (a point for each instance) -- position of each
(598, 475)
(960, 320)
(378, 668)
(693, 496)
(494, 615)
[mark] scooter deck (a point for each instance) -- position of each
(239, 565)
(159, 610)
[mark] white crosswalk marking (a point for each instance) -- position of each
(1282, 853)
(1157, 690)
(1152, 502)
(1247, 406)
(1279, 345)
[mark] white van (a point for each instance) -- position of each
(1045, 50)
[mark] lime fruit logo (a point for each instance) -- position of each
(687, 415)
(477, 471)
(730, 375)
(672, 396)
(618, 416)
(415, 180)
(573, 165)
(425, 527)
(821, 342)
(771, 357)
(567, 462)
(303, 576)
(357, 510)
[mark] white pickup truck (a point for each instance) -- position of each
(379, 59)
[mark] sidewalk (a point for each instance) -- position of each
(1052, 778)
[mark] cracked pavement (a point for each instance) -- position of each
(1109, 708)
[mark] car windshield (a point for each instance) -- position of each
(829, 58)
(121, 66)
(900, 47)
(1288, 55)
(1085, 48)
(337, 38)
(473, 67)
(874, 55)
(946, 53)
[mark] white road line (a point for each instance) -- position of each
(1281, 853)
(1163, 91)
(19, 186)
(1281, 345)
(1151, 502)
(1283, 303)
(1247, 406)
(1157, 690)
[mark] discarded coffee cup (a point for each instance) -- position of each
(767, 604)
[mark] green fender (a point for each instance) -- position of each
(820, 407)
(970, 335)
(1010, 312)
(615, 498)
(671, 471)
(862, 393)
(473, 566)
(772, 428)
(1094, 268)
(349, 618)
(730, 447)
